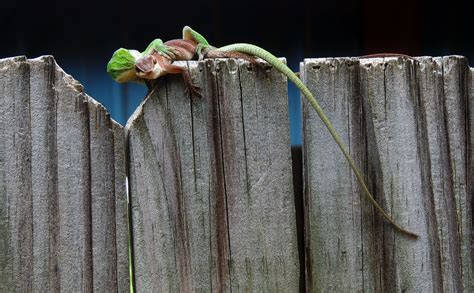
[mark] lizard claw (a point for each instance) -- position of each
(191, 88)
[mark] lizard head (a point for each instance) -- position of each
(121, 65)
(130, 65)
(150, 66)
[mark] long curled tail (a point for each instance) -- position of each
(280, 66)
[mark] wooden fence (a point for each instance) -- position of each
(212, 205)
(63, 206)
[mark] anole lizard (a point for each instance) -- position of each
(202, 49)
(156, 61)
(131, 65)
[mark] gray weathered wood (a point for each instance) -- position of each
(102, 176)
(57, 183)
(333, 216)
(457, 92)
(16, 259)
(405, 122)
(388, 89)
(45, 192)
(74, 187)
(470, 172)
(433, 123)
(121, 209)
(210, 184)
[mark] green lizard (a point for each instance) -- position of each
(202, 49)
(131, 65)
(127, 65)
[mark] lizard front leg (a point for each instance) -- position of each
(191, 88)
(155, 65)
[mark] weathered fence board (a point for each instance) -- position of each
(16, 193)
(457, 92)
(470, 175)
(333, 216)
(57, 183)
(121, 209)
(432, 114)
(210, 184)
(396, 170)
(405, 122)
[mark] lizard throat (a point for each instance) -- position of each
(153, 74)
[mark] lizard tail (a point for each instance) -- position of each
(280, 66)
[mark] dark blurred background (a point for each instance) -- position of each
(82, 35)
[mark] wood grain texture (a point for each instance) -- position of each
(336, 226)
(211, 186)
(57, 186)
(470, 173)
(457, 93)
(433, 136)
(45, 192)
(16, 260)
(395, 163)
(102, 175)
(74, 187)
(121, 209)
(405, 122)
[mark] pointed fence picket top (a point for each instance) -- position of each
(63, 206)
(408, 124)
(211, 184)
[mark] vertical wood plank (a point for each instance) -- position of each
(258, 178)
(389, 91)
(456, 79)
(44, 157)
(413, 126)
(444, 247)
(182, 189)
(57, 183)
(16, 262)
(210, 174)
(156, 191)
(103, 200)
(188, 167)
(74, 186)
(337, 223)
(121, 209)
(470, 173)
